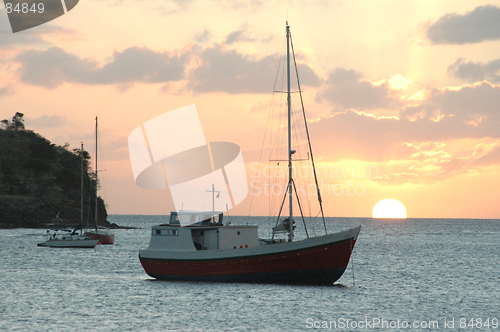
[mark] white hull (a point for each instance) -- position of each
(164, 253)
(77, 243)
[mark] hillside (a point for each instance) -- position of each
(39, 180)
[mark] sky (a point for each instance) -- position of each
(402, 97)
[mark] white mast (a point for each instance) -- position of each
(95, 216)
(213, 191)
(81, 191)
(290, 152)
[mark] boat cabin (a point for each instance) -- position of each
(199, 218)
(196, 230)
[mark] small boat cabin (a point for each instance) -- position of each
(201, 230)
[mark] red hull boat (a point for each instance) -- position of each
(196, 246)
(316, 261)
(105, 236)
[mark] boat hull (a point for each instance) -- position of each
(69, 243)
(318, 261)
(103, 238)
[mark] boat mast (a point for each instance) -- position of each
(95, 216)
(81, 190)
(320, 200)
(290, 152)
(213, 191)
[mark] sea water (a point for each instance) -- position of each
(412, 274)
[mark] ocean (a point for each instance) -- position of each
(411, 274)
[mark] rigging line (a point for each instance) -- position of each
(281, 209)
(313, 222)
(352, 263)
(276, 142)
(281, 64)
(308, 138)
(280, 68)
(299, 141)
(269, 116)
(103, 182)
(300, 208)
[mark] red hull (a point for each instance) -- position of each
(103, 238)
(322, 264)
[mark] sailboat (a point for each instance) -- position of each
(103, 234)
(208, 250)
(65, 238)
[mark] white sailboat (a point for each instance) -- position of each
(64, 238)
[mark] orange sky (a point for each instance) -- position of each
(406, 88)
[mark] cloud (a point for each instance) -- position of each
(172, 7)
(52, 67)
(347, 89)
(467, 112)
(474, 72)
(238, 35)
(46, 121)
(483, 23)
(232, 72)
(10, 40)
(219, 70)
(421, 144)
(116, 148)
(404, 151)
(490, 158)
(243, 34)
(204, 36)
(476, 105)
(5, 91)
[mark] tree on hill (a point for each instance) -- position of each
(16, 124)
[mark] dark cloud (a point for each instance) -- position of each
(483, 23)
(52, 67)
(219, 70)
(232, 72)
(474, 72)
(346, 89)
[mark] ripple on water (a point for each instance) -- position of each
(419, 269)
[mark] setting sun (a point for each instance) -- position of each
(389, 208)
